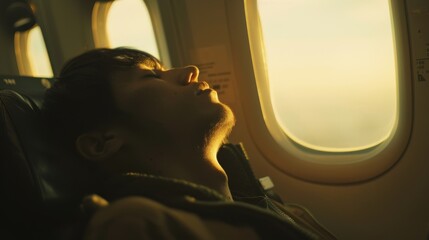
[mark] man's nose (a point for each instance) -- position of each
(189, 74)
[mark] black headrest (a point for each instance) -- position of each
(33, 87)
(38, 181)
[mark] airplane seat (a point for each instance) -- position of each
(41, 187)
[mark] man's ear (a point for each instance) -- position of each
(99, 145)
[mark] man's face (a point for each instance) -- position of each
(169, 104)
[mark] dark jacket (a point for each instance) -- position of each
(214, 217)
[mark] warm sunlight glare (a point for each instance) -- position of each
(38, 55)
(331, 69)
(129, 24)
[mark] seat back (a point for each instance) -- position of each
(33, 87)
(40, 184)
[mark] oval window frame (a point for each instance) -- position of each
(283, 153)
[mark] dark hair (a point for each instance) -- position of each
(81, 99)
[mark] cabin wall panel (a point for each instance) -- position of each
(8, 63)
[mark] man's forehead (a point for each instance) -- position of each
(144, 66)
(149, 64)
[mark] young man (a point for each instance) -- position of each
(152, 136)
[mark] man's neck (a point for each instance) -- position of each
(197, 164)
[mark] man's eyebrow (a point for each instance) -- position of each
(144, 73)
(146, 70)
(152, 71)
(157, 67)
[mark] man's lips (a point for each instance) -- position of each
(202, 88)
(205, 91)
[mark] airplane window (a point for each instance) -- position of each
(31, 54)
(37, 54)
(129, 24)
(331, 71)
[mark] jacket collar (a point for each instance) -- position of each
(159, 188)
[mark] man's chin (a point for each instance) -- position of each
(229, 116)
(225, 120)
